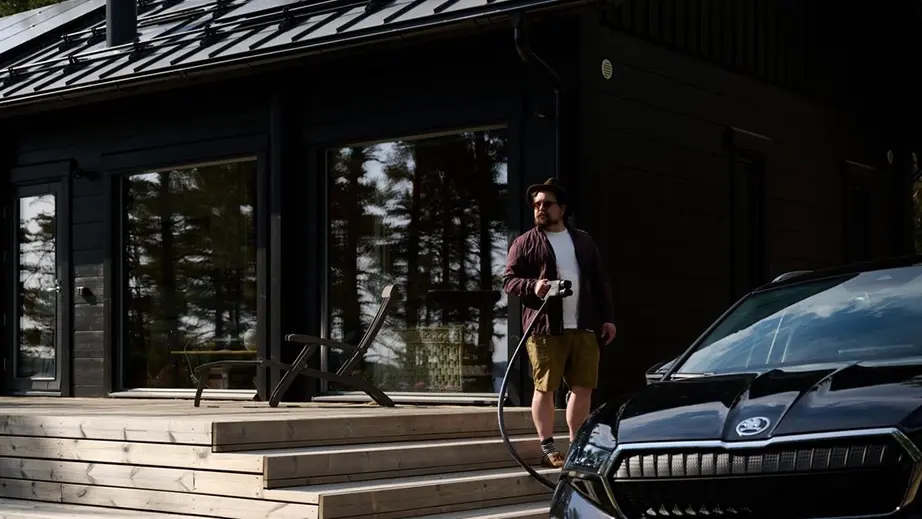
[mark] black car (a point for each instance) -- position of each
(804, 400)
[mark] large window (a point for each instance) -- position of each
(428, 214)
(190, 269)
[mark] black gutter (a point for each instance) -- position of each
(528, 56)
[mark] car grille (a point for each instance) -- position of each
(794, 481)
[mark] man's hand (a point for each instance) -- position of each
(541, 287)
(608, 332)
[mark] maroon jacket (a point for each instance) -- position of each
(531, 258)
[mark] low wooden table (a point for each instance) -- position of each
(222, 380)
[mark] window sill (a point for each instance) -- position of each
(413, 398)
(208, 394)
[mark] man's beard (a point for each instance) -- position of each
(544, 221)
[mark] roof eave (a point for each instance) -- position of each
(488, 16)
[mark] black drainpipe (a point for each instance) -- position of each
(529, 56)
(121, 22)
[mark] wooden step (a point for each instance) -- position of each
(384, 425)
(523, 511)
(321, 465)
(128, 453)
(235, 426)
(154, 500)
(421, 495)
(196, 430)
(162, 457)
(164, 479)
(20, 509)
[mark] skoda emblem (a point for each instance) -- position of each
(752, 426)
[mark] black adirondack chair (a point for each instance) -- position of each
(310, 346)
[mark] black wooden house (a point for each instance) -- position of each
(190, 180)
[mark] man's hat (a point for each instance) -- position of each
(552, 185)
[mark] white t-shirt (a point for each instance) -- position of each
(567, 268)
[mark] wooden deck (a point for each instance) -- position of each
(247, 460)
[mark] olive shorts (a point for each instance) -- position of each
(549, 355)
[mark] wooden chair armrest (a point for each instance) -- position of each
(310, 339)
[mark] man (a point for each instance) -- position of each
(564, 342)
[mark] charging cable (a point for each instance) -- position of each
(558, 288)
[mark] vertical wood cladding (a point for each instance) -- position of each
(712, 131)
(806, 47)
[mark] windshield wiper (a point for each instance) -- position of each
(691, 375)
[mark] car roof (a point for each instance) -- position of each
(802, 276)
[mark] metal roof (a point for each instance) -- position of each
(23, 28)
(184, 36)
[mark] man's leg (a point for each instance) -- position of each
(546, 353)
(542, 412)
(582, 376)
(578, 408)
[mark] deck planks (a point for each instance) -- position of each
(394, 424)
(524, 511)
(133, 476)
(156, 430)
(242, 459)
(156, 501)
(319, 465)
(130, 453)
(404, 497)
(21, 509)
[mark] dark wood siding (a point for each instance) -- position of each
(439, 87)
(668, 140)
(296, 113)
(125, 136)
(89, 247)
(812, 48)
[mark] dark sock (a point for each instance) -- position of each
(548, 446)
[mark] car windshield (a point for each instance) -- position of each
(859, 317)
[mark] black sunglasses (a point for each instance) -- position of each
(543, 203)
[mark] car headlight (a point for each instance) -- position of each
(594, 444)
(591, 449)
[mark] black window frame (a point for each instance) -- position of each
(749, 169)
(374, 124)
(119, 167)
(858, 212)
(320, 158)
(46, 178)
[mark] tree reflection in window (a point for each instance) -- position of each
(190, 260)
(38, 287)
(430, 215)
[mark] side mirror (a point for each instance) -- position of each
(656, 372)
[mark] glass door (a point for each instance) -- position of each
(190, 261)
(429, 214)
(34, 363)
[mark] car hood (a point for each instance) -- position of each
(755, 406)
